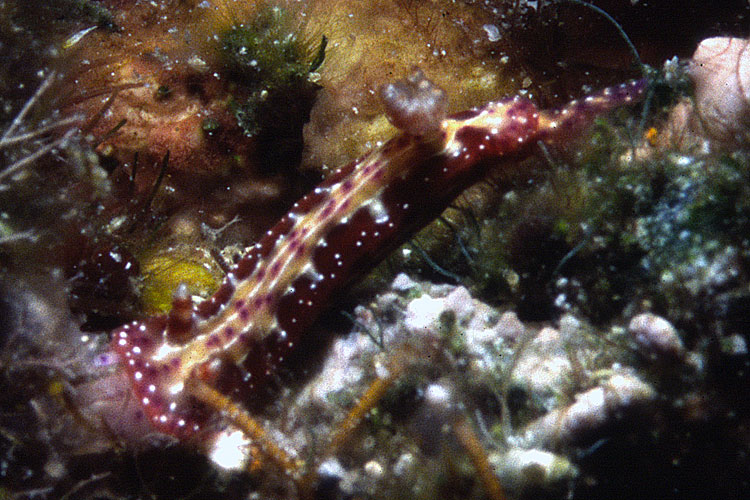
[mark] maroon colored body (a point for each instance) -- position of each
(236, 339)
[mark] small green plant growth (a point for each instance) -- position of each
(271, 64)
(265, 49)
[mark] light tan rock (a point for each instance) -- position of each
(720, 70)
(656, 337)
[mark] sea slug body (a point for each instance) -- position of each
(234, 340)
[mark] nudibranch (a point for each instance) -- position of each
(235, 340)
